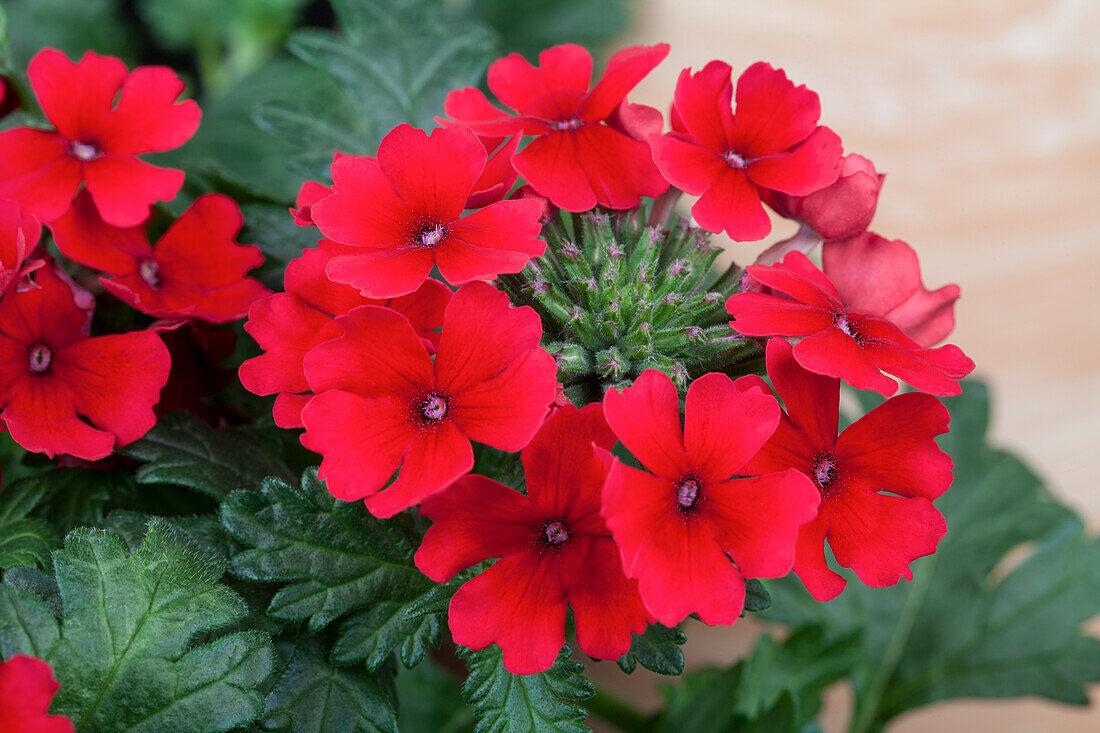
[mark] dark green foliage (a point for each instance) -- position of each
(185, 451)
(24, 540)
(532, 25)
(777, 688)
(507, 703)
(339, 560)
(757, 598)
(658, 650)
(395, 62)
(431, 701)
(618, 297)
(312, 695)
(124, 652)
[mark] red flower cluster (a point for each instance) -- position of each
(394, 378)
(64, 391)
(27, 686)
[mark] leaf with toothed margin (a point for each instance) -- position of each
(658, 650)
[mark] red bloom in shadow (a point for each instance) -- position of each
(197, 269)
(890, 449)
(97, 139)
(383, 404)
(882, 278)
(553, 548)
(772, 142)
(402, 213)
(288, 325)
(27, 687)
(837, 341)
(52, 375)
(19, 234)
(587, 150)
(676, 526)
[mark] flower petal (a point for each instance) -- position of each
(124, 187)
(646, 418)
(433, 462)
(772, 113)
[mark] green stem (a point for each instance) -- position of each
(867, 709)
(613, 709)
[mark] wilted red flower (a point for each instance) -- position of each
(676, 526)
(837, 341)
(772, 142)
(310, 193)
(27, 687)
(402, 213)
(584, 153)
(554, 549)
(383, 404)
(18, 236)
(52, 375)
(882, 278)
(197, 269)
(97, 140)
(841, 210)
(288, 325)
(890, 449)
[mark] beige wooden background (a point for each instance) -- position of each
(985, 114)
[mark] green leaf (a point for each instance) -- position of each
(757, 598)
(533, 25)
(964, 627)
(125, 657)
(396, 60)
(24, 540)
(205, 531)
(432, 701)
(658, 650)
(340, 560)
(185, 451)
(311, 695)
(74, 26)
(776, 688)
(273, 230)
(26, 624)
(505, 702)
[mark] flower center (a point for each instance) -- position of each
(824, 471)
(150, 273)
(565, 125)
(432, 237)
(40, 358)
(687, 493)
(556, 533)
(433, 408)
(842, 324)
(734, 159)
(83, 151)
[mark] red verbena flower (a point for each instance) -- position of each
(18, 236)
(882, 278)
(838, 211)
(586, 150)
(890, 449)
(197, 350)
(676, 526)
(288, 325)
(27, 687)
(197, 269)
(402, 213)
(553, 548)
(104, 118)
(772, 142)
(52, 375)
(837, 341)
(383, 404)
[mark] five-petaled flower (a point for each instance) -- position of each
(772, 142)
(554, 550)
(104, 118)
(837, 341)
(197, 269)
(27, 686)
(288, 325)
(52, 375)
(383, 404)
(589, 147)
(402, 213)
(890, 449)
(679, 527)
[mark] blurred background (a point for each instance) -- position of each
(984, 114)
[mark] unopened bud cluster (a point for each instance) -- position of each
(618, 297)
